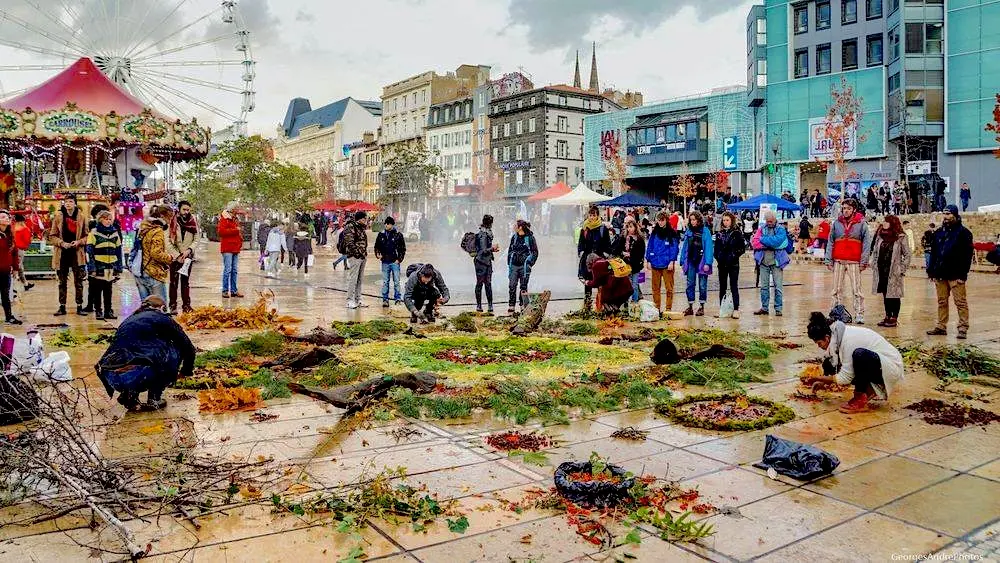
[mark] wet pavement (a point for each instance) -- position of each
(904, 488)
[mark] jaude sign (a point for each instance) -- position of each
(823, 145)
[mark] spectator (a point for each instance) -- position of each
(804, 235)
(634, 254)
(951, 259)
(847, 255)
(22, 239)
(390, 250)
(9, 264)
(522, 253)
(770, 252)
(482, 262)
(965, 194)
(104, 263)
(661, 255)
(594, 240)
(68, 233)
(926, 242)
(301, 247)
(156, 258)
(696, 259)
(183, 234)
(355, 245)
(425, 292)
(230, 244)
(729, 248)
(890, 259)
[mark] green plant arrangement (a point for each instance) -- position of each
(731, 411)
(375, 329)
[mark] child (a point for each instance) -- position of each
(275, 245)
(104, 263)
(302, 247)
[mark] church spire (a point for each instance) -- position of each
(594, 86)
(576, 76)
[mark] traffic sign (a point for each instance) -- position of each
(730, 151)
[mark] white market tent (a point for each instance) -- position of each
(581, 195)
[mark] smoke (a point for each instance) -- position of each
(553, 24)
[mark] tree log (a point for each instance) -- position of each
(357, 396)
(301, 359)
(533, 314)
(320, 336)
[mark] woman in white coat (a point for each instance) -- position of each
(858, 356)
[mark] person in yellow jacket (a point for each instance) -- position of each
(156, 258)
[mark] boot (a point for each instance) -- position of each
(701, 311)
(60, 312)
(88, 309)
(689, 311)
(99, 315)
(80, 311)
(12, 320)
(110, 315)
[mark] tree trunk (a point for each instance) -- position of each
(533, 314)
(357, 396)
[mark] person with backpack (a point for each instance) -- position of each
(154, 258)
(354, 244)
(230, 244)
(696, 258)
(847, 255)
(301, 247)
(390, 249)
(594, 241)
(104, 263)
(522, 253)
(729, 247)
(68, 234)
(340, 244)
(483, 251)
(613, 290)
(425, 291)
(661, 255)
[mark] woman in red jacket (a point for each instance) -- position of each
(22, 238)
(9, 263)
(230, 243)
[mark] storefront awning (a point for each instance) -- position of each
(669, 117)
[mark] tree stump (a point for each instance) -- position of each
(301, 359)
(533, 314)
(357, 396)
(320, 336)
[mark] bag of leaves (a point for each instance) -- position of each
(605, 488)
(795, 460)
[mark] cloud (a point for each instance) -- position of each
(304, 17)
(256, 16)
(553, 24)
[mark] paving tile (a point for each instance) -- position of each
(901, 434)
(871, 537)
(990, 471)
(471, 479)
(734, 486)
(582, 430)
(641, 419)
(881, 481)
(831, 425)
(674, 465)
(431, 456)
(851, 451)
(617, 450)
(955, 507)
(549, 539)
(681, 436)
(652, 548)
(961, 451)
(735, 450)
(775, 522)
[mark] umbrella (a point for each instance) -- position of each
(581, 195)
(630, 199)
(555, 190)
(754, 203)
(362, 206)
(331, 205)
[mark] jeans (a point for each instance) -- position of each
(965, 204)
(150, 286)
(729, 276)
(702, 280)
(343, 258)
(355, 274)
(767, 274)
(271, 263)
(230, 269)
(927, 260)
(484, 281)
(851, 273)
(390, 271)
(518, 276)
(636, 293)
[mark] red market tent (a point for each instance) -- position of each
(555, 190)
(83, 84)
(362, 206)
(333, 204)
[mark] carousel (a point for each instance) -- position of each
(80, 133)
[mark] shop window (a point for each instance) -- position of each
(801, 63)
(848, 11)
(823, 59)
(874, 50)
(801, 18)
(822, 15)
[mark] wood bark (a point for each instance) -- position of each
(357, 396)
(533, 314)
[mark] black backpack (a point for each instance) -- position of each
(413, 268)
(341, 246)
(469, 244)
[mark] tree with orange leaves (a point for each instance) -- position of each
(684, 185)
(843, 123)
(615, 169)
(994, 126)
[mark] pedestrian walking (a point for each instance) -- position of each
(340, 237)
(230, 244)
(696, 258)
(661, 257)
(804, 234)
(847, 255)
(263, 230)
(965, 194)
(634, 254)
(156, 258)
(301, 247)
(594, 240)
(274, 247)
(522, 253)
(951, 260)
(9, 264)
(927, 242)
(183, 234)
(770, 252)
(354, 244)
(482, 262)
(890, 258)
(68, 234)
(104, 263)
(390, 249)
(729, 248)
(291, 228)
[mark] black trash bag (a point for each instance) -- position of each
(599, 494)
(795, 460)
(839, 313)
(18, 401)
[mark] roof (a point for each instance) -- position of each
(300, 114)
(83, 84)
(670, 117)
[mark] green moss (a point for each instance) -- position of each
(272, 386)
(375, 329)
(721, 373)
(429, 406)
(334, 373)
(691, 341)
(780, 414)
(581, 328)
(261, 344)
(464, 322)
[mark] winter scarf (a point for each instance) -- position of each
(591, 223)
(184, 226)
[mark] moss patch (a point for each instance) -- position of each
(261, 344)
(418, 355)
(778, 413)
(375, 329)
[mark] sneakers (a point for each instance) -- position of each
(778, 313)
(760, 312)
(28, 286)
(60, 312)
(236, 294)
(14, 321)
(937, 332)
(362, 305)
(510, 310)
(385, 303)
(962, 335)
(860, 320)
(81, 311)
(883, 322)
(858, 404)
(225, 295)
(352, 305)
(700, 312)
(413, 318)
(110, 316)
(736, 314)
(399, 302)
(689, 311)
(100, 315)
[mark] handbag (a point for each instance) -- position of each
(311, 260)
(640, 278)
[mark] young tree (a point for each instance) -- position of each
(205, 188)
(718, 181)
(409, 170)
(615, 169)
(684, 185)
(245, 164)
(291, 187)
(843, 127)
(994, 126)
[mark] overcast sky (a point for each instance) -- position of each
(325, 51)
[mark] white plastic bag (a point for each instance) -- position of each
(726, 309)
(648, 312)
(311, 260)
(55, 367)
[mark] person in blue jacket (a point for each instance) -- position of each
(661, 255)
(770, 250)
(696, 259)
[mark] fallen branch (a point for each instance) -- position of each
(357, 396)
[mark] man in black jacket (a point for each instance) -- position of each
(425, 291)
(951, 260)
(390, 248)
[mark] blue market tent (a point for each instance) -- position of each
(630, 199)
(754, 203)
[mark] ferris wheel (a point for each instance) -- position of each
(187, 59)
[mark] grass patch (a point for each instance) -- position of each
(261, 344)
(569, 357)
(722, 373)
(951, 362)
(430, 406)
(581, 328)
(271, 385)
(464, 322)
(691, 341)
(333, 374)
(375, 329)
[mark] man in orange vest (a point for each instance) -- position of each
(847, 255)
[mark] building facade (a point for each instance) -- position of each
(371, 182)
(485, 172)
(319, 140)
(448, 136)
(537, 136)
(406, 103)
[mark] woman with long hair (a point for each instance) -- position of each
(890, 258)
(729, 247)
(696, 258)
(634, 253)
(661, 255)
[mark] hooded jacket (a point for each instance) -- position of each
(413, 280)
(662, 248)
(523, 251)
(155, 257)
(771, 238)
(104, 250)
(707, 250)
(390, 246)
(853, 228)
(149, 338)
(355, 240)
(275, 241)
(951, 250)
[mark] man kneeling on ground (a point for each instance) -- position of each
(858, 356)
(146, 354)
(425, 291)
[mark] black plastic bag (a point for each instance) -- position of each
(18, 401)
(839, 313)
(600, 494)
(795, 460)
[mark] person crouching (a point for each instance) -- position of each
(612, 291)
(425, 291)
(858, 356)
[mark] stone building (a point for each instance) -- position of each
(449, 138)
(484, 170)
